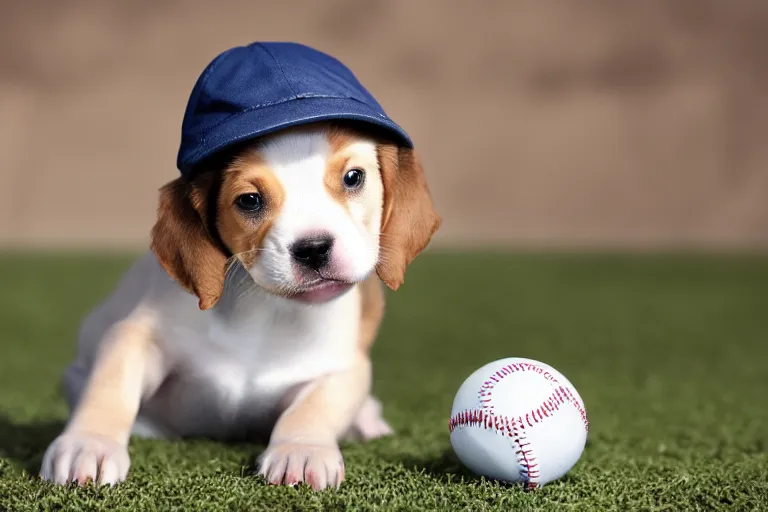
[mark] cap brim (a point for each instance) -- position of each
(254, 123)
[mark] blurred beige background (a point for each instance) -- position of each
(571, 124)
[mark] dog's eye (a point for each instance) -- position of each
(354, 178)
(250, 202)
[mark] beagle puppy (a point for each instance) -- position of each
(252, 315)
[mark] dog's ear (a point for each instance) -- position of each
(182, 241)
(409, 218)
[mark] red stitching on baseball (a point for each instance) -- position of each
(562, 394)
(506, 427)
(515, 428)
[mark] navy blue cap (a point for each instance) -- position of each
(253, 90)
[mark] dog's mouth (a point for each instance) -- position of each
(322, 290)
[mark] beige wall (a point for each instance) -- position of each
(613, 123)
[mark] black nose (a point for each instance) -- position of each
(312, 252)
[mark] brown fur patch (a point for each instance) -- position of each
(244, 233)
(409, 218)
(334, 175)
(372, 311)
(338, 139)
(182, 243)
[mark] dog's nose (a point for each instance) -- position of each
(312, 252)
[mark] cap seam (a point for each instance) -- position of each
(279, 66)
(278, 102)
(204, 136)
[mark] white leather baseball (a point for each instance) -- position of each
(518, 420)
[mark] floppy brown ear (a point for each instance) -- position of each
(409, 218)
(182, 242)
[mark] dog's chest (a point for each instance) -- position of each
(250, 361)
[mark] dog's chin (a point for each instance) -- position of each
(322, 292)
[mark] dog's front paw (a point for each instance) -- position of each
(82, 458)
(320, 466)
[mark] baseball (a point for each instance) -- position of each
(518, 420)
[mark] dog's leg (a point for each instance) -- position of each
(93, 446)
(304, 445)
(369, 423)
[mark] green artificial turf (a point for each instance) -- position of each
(670, 354)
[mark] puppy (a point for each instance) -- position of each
(253, 313)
